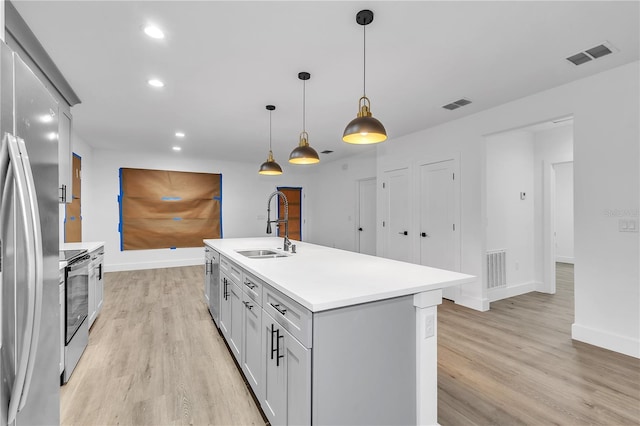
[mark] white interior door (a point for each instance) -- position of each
(397, 221)
(367, 216)
(438, 235)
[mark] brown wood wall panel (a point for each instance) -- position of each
(168, 209)
(295, 213)
(73, 210)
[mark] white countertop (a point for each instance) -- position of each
(322, 278)
(89, 246)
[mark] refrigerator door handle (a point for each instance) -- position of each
(18, 174)
(4, 207)
(38, 265)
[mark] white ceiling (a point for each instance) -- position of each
(222, 62)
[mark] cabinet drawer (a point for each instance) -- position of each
(252, 287)
(292, 316)
(232, 270)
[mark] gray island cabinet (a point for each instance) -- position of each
(327, 337)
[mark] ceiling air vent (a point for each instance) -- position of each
(594, 53)
(326, 151)
(457, 104)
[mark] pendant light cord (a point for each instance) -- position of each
(304, 103)
(364, 62)
(269, 130)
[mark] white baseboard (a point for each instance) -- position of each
(173, 263)
(614, 342)
(563, 259)
(512, 290)
(473, 303)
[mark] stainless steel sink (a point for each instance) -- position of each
(261, 254)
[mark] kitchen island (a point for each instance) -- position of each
(327, 336)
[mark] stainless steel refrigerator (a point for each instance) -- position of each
(29, 224)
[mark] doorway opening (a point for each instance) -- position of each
(523, 195)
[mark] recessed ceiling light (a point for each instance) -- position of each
(179, 134)
(153, 32)
(46, 118)
(155, 83)
(177, 148)
(52, 136)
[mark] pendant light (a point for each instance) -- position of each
(303, 153)
(270, 167)
(364, 129)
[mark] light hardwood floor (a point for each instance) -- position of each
(516, 364)
(155, 358)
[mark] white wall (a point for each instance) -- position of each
(605, 109)
(244, 203)
(606, 179)
(564, 212)
(332, 198)
(510, 220)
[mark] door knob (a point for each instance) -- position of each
(424, 234)
(359, 229)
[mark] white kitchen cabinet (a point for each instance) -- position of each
(329, 345)
(64, 156)
(252, 333)
(225, 306)
(252, 344)
(231, 311)
(287, 375)
(207, 275)
(237, 312)
(96, 283)
(100, 285)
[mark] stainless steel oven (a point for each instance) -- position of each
(76, 308)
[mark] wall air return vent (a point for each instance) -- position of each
(457, 104)
(594, 53)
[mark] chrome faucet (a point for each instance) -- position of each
(287, 243)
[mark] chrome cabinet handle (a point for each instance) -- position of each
(247, 305)
(403, 233)
(250, 284)
(424, 234)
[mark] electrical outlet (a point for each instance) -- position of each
(429, 326)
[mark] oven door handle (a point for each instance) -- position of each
(20, 172)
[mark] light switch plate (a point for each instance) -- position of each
(627, 225)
